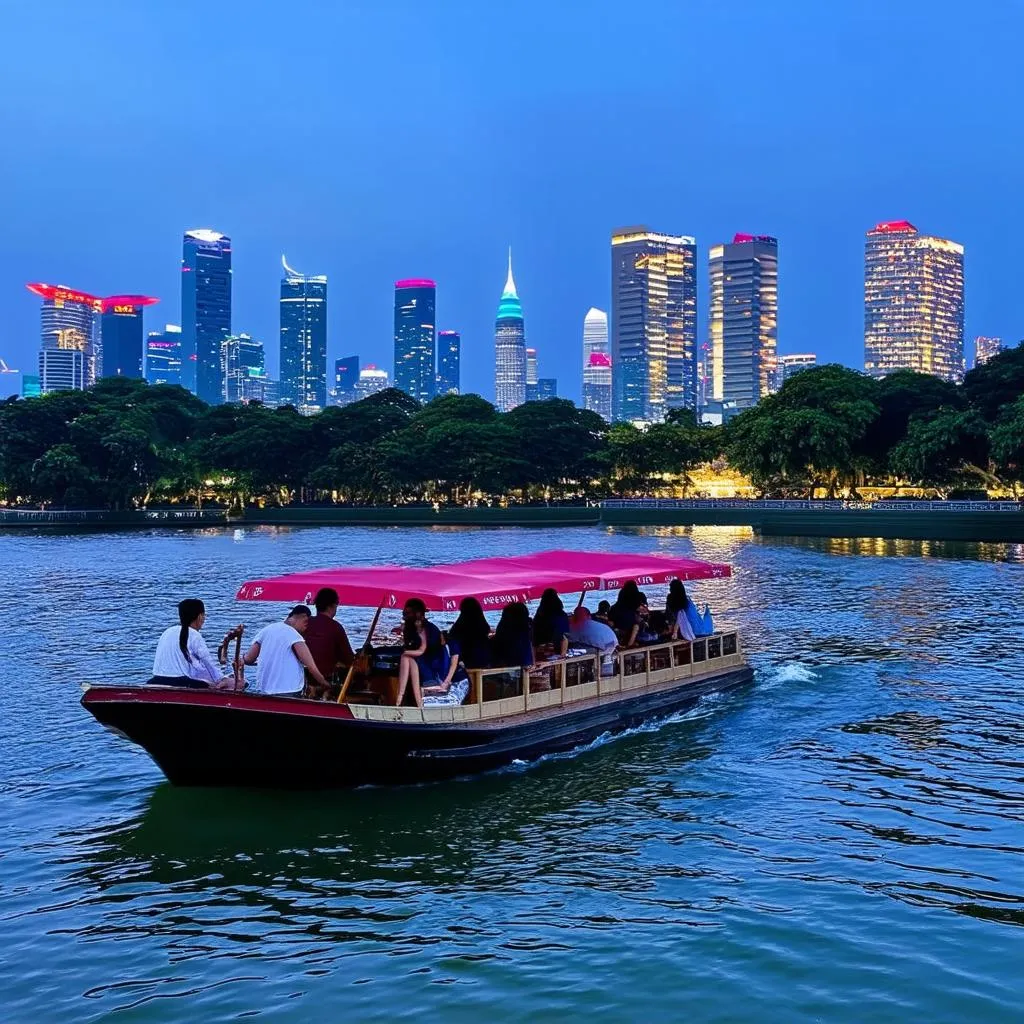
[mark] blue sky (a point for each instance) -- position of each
(378, 140)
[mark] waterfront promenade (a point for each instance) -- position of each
(996, 521)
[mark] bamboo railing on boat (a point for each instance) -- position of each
(501, 692)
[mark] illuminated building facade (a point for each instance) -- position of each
(547, 387)
(531, 375)
(415, 340)
(986, 348)
(70, 320)
(509, 348)
(913, 302)
(653, 324)
(163, 356)
(743, 326)
(241, 357)
(205, 310)
(303, 340)
(61, 369)
(449, 357)
(121, 334)
(597, 385)
(346, 376)
(793, 364)
(371, 380)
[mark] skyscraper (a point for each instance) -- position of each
(531, 375)
(415, 344)
(346, 376)
(597, 385)
(205, 310)
(913, 302)
(986, 348)
(69, 319)
(547, 387)
(597, 373)
(793, 364)
(654, 323)
(163, 356)
(449, 356)
(744, 317)
(241, 358)
(303, 340)
(121, 334)
(61, 369)
(371, 380)
(509, 348)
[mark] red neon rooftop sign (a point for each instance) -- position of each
(893, 227)
(117, 303)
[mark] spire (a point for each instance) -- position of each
(510, 285)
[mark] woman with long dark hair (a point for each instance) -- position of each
(512, 644)
(182, 657)
(470, 633)
(678, 611)
(626, 613)
(551, 624)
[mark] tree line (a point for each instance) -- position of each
(831, 430)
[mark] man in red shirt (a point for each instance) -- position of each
(326, 637)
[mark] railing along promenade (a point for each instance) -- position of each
(815, 504)
(103, 517)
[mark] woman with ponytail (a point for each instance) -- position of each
(182, 657)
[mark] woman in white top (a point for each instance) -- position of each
(182, 657)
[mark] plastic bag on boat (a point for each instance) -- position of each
(708, 622)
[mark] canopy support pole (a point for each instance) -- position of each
(352, 667)
(579, 603)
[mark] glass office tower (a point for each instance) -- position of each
(303, 340)
(654, 324)
(69, 319)
(449, 355)
(121, 334)
(163, 356)
(415, 343)
(509, 348)
(205, 310)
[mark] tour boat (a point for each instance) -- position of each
(243, 738)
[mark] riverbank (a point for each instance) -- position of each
(986, 521)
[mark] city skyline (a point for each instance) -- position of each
(820, 181)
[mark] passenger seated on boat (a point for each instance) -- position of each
(471, 633)
(626, 613)
(590, 632)
(326, 637)
(452, 689)
(677, 606)
(421, 648)
(282, 658)
(512, 644)
(551, 625)
(603, 613)
(182, 657)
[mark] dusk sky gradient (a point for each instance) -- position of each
(380, 140)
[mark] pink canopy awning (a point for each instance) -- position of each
(494, 582)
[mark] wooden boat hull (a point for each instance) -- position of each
(210, 738)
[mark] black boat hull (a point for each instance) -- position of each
(205, 738)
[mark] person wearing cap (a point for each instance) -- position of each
(282, 658)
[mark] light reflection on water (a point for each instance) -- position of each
(840, 841)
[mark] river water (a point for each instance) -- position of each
(843, 840)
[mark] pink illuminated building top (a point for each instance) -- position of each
(741, 237)
(61, 293)
(416, 282)
(888, 227)
(599, 359)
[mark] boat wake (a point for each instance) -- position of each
(790, 672)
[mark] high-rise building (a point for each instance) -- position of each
(31, 386)
(597, 385)
(205, 310)
(547, 387)
(415, 344)
(793, 364)
(346, 376)
(449, 355)
(913, 302)
(61, 369)
(654, 324)
(303, 340)
(371, 380)
(163, 356)
(744, 319)
(69, 319)
(241, 357)
(531, 375)
(121, 334)
(986, 348)
(509, 348)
